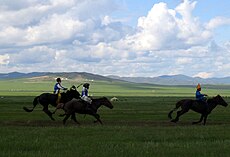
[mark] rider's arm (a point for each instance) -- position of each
(61, 87)
(199, 95)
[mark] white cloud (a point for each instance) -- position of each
(204, 75)
(183, 60)
(162, 28)
(54, 29)
(47, 35)
(11, 36)
(217, 22)
(33, 56)
(4, 59)
(152, 35)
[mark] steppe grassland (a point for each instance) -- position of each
(137, 126)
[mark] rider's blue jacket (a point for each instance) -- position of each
(57, 87)
(199, 96)
(84, 92)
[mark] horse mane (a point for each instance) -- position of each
(99, 99)
(102, 101)
(213, 99)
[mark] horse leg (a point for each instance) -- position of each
(45, 109)
(179, 113)
(97, 116)
(201, 118)
(65, 119)
(91, 112)
(73, 117)
(205, 118)
(59, 106)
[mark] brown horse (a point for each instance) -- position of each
(48, 98)
(79, 106)
(197, 106)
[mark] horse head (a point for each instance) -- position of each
(106, 102)
(73, 93)
(220, 100)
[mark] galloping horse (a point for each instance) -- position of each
(47, 98)
(197, 106)
(79, 106)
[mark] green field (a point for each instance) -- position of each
(137, 126)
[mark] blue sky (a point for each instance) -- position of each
(116, 37)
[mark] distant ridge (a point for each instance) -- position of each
(69, 75)
(175, 80)
(17, 75)
(160, 80)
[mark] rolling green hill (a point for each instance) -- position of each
(51, 76)
(35, 86)
(83, 76)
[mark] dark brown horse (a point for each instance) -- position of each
(79, 106)
(48, 98)
(197, 106)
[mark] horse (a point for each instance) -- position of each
(197, 106)
(80, 106)
(47, 98)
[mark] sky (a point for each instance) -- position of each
(132, 38)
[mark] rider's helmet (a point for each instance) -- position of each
(73, 88)
(58, 79)
(198, 87)
(86, 85)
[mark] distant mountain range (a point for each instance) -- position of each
(175, 80)
(161, 80)
(51, 75)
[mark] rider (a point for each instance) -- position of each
(57, 88)
(201, 97)
(85, 93)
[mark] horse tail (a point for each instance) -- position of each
(178, 104)
(35, 102)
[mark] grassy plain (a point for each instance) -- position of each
(137, 126)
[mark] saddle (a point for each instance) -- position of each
(201, 102)
(87, 106)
